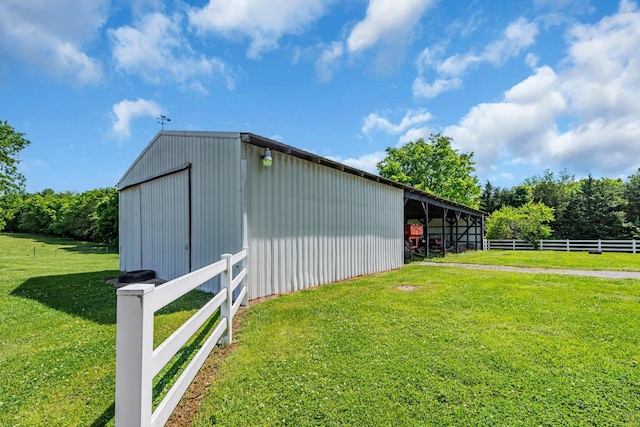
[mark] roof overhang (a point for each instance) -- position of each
(409, 192)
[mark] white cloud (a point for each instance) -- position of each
(422, 89)
(602, 81)
(327, 63)
(126, 110)
(584, 116)
(414, 134)
(376, 122)
(604, 73)
(386, 20)
(516, 37)
(521, 123)
(263, 21)
(366, 162)
(156, 50)
(51, 38)
(532, 60)
(387, 25)
(519, 35)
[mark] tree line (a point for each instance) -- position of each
(88, 216)
(557, 206)
(545, 206)
(565, 207)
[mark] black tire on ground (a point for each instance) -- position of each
(136, 276)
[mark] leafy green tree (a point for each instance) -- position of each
(555, 192)
(106, 230)
(78, 217)
(11, 143)
(88, 216)
(528, 222)
(10, 208)
(433, 166)
(39, 213)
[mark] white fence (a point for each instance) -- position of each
(631, 246)
(137, 363)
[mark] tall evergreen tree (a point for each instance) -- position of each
(596, 211)
(632, 195)
(553, 192)
(490, 198)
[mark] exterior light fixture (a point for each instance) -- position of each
(267, 160)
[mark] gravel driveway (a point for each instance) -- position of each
(601, 273)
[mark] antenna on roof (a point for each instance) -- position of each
(162, 120)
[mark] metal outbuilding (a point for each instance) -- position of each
(191, 196)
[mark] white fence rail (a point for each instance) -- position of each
(630, 246)
(137, 363)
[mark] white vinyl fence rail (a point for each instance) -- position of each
(631, 246)
(137, 363)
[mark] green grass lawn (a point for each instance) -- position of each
(57, 331)
(463, 347)
(548, 259)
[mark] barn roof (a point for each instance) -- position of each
(410, 192)
(260, 141)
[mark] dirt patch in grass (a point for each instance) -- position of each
(406, 288)
(190, 403)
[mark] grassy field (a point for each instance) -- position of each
(57, 332)
(418, 346)
(437, 346)
(548, 259)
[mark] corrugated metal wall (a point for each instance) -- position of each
(310, 224)
(307, 224)
(165, 224)
(202, 192)
(130, 229)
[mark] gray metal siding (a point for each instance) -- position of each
(216, 201)
(165, 225)
(212, 189)
(309, 224)
(130, 237)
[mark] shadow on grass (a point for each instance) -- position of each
(167, 378)
(106, 416)
(87, 295)
(68, 245)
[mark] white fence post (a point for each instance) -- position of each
(225, 308)
(633, 245)
(568, 247)
(134, 350)
(599, 245)
(514, 244)
(245, 265)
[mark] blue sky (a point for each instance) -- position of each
(524, 85)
